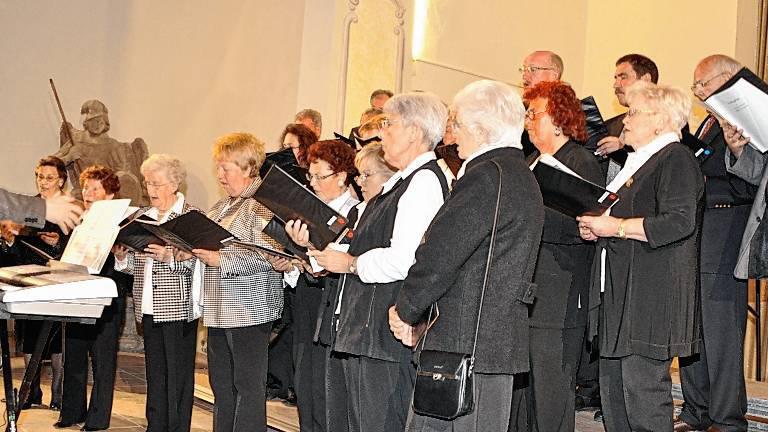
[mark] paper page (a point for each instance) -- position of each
(744, 106)
(107, 212)
(548, 159)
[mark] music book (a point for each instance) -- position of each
(567, 192)
(134, 236)
(264, 250)
(287, 161)
(290, 200)
(275, 229)
(596, 129)
(92, 240)
(192, 230)
(743, 101)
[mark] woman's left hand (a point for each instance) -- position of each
(332, 260)
(210, 258)
(591, 227)
(159, 253)
(279, 264)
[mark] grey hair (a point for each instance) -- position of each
(171, 165)
(664, 99)
(493, 109)
(314, 115)
(720, 63)
(421, 109)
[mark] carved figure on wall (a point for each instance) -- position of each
(94, 146)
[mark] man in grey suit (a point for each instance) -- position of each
(34, 211)
(713, 381)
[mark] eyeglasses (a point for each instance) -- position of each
(364, 175)
(634, 111)
(48, 179)
(533, 69)
(701, 84)
(530, 114)
(318, 177)
(387, 122)
(154, 185)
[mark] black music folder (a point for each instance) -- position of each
(134, 236)
(192, 230)
(596, 129)
(289, 200)
(565, 191)
(264, 250)
(743, 102)
(276, 230)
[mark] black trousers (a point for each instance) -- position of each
(310, 360)
(237, 369)
(493, 401)
(280, 369)
(379, 392)
(637, 394)
(588, 374)
(100, 341)
(170, 363)
(713, 381)
(554, 357)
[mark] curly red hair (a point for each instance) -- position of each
(563, 107)
(337, 154)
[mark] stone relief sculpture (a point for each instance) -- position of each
(93, 145)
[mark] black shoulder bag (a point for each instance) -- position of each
(444, 379)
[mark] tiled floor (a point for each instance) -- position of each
(128, 408)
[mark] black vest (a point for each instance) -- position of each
(363, 327)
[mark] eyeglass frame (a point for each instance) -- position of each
(49, 179)
(701, 84)
(530, 114)
(363, 176)
(154, 185)
(533, 69)
(634, 111)
(319, 177)
(386, 122)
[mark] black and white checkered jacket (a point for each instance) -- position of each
(244, 290)
(171, 288)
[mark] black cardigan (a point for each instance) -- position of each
(651, 304)
(450, 264)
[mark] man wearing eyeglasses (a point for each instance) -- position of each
(538, 66)
(713, 381)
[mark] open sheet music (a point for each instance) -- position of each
(192, 230)
(567, 192)
(92, 240)
(743, 102)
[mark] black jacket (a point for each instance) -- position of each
(450, 265)
(565, 260)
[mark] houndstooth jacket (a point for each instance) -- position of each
(244, 290)
(171, 287)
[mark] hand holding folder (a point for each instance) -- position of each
(289, 200)
(743, 102)
(565, 191)
(192, 230)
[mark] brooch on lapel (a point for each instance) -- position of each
(629, 182)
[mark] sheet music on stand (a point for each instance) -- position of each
(743, 102)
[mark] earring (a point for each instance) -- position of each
(657, 131)
(341, 183)
(558, 131)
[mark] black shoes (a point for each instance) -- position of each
(55, 406)
(89, 428)
(61, 424)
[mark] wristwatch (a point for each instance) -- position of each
(620, 232)
(353, 266)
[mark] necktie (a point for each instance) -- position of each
(708, 123)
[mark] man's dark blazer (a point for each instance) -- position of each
(450, 264)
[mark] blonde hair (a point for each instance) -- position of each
(373, 152)
(373, 124)
(243, 149)
(664, 99)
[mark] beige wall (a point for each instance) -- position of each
(465, 42)
(176, 73)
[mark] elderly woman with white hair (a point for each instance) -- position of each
(644, 297)
(494, 212)
(162, 299)
(377, 368)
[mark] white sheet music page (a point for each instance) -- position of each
(92, 240)
(744, 106)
